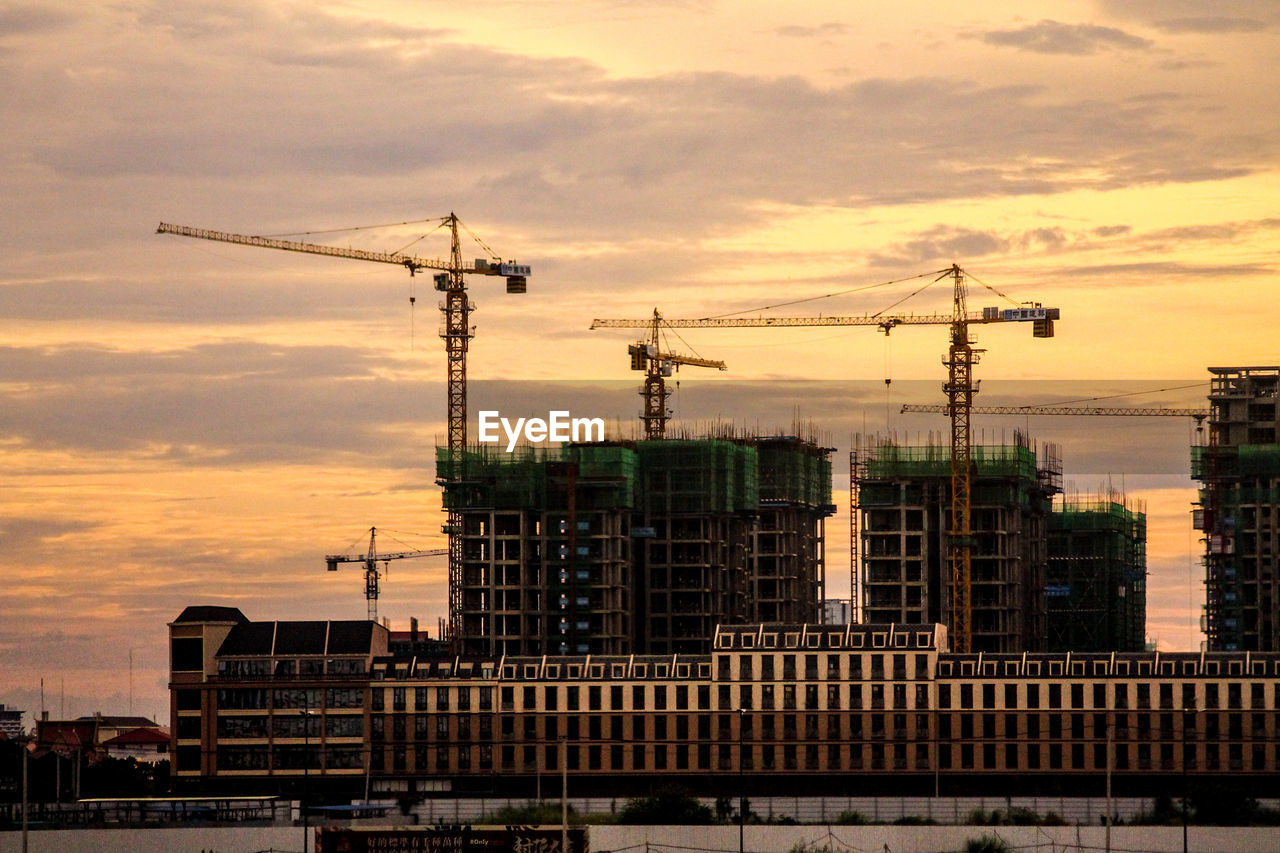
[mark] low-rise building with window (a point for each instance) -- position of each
(806, 709)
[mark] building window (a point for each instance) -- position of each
(187, 655)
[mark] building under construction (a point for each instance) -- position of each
(1239, 510)
(635, 547)
(901, 501)
(1096, 592)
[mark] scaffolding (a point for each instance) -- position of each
(904, 496)
(1238, 510)
(1096, 584)
(636, 546)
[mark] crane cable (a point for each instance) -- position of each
(1114, 396)
(1010, 300)
(914, 292)
(825, 296)
(441, 220)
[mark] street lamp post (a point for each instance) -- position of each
(1188, 715)
(23, 744)
(742, 791)
(306, 769)
(1110, 749)
(564, 794)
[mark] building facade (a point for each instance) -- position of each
(1239, 509)
(1096, 590)
(10, 722)
(635, 547)
(903, 498)
(803, 708)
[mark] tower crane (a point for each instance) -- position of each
(647, 355)
(959, 388)
(456, 331)
(371, 558)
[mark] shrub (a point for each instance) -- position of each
(667, 806)
(542, 814)
(914, 820)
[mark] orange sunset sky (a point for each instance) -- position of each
(184, 422)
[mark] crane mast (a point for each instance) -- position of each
(961, 357)
(455, 330)
(648, 356)
(371, 558)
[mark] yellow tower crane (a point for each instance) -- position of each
(647, 355)
(456, 330)
(960, 389)
(371, 558)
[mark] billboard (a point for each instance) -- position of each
(449, 839)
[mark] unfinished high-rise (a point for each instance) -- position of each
(1239, 509)
(636, 547)
(1096, 590)
(902, 498)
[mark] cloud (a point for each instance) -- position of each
(1207, 15)
(31, 19)
(818, 31)
(286, 116)
(215, 405)
(1211, 24)
(944, 243)
(1054, 37)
